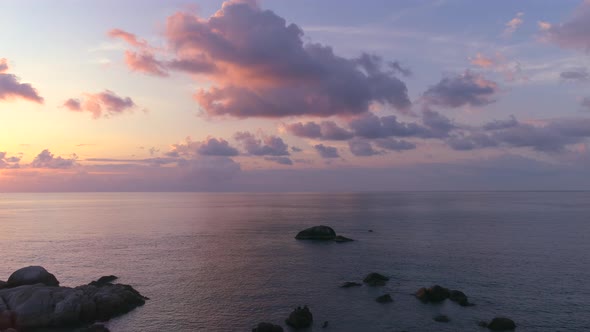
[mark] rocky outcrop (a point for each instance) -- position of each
(350, 284)
(267, 327)
(442, 319)
(38, 305)
(340, 238)
(321, 233)
(385, 298)
(437, 294)
(501, 324)
(31, 275)
(300, 318)
(104, 280)
(3, 284)
(375, 279)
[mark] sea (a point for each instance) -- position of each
(227, 261)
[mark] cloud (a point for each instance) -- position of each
(576, 75)
(326, 151)
(280, 160)
(371, 126)
(145, 62)
(128, 37)
(265, 146)
(11, 88)
(552, 136)
(8, 162)
(46, 159)
(510, 70)
(467, 89)
(395, 145)
(102, 104)
(585, 103)
(573, 33)
(209, 147)
(325, 130)
(262, 67)
(513, 24)
(362, 148)
(482, 61)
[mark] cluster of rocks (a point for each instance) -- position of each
(438, 294)
(32, 298)
(321, 233)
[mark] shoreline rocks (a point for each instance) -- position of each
(37, 301)
(437, 294)
(300, 318)
(375, 279)
(267, 327)
(501, 324)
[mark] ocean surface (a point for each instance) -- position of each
(224, 262)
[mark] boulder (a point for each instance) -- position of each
(433, 294)
(317, 233)
(459, 297)
(340, 239)
(386, 298)
(349, 284)
(501, 324)
(300, 318)
(32, 275)
(375, 279)
(104, 280)
(267, 327)
(3, 284)
(442, 319)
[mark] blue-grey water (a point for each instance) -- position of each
(224, 262)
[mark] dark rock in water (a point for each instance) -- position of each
(7, 318)
(341, 238)
(349, 284)
(104, 280)
(41, 306)
(267, 327)
(95, 328)
(434, 294)
(501, 324)
(317, 233)
(375, 279)
(459, 297)
(325, 325)
(32, 275)
(442, 319)
(300, 318)
(482, 324)
(386, 298)
(370, 231)
(3, 284)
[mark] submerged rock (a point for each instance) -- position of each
(41, 306)
(375, 279)
(459, 297)
(442, 319)
(501, 324)
(300, 318)
(386, 298)
(340, 239)
(267, 327)
(317, 233)
(349, 284)
(32, 275)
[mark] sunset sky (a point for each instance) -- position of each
(285, 95)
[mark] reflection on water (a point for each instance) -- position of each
(224, 262)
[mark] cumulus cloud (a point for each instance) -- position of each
(573, 33)
(209, 147)
(326, 151)
(8, 162)
(371, 126)
(265, 146)
(325, 130)
(501, 124)
(509, 69)
(11, 88)
(280, 160)
(145, 62)
(362, 148)
(46, 159)
(552, 136)
(102, 104)
(575, 75)
(394, 144)
(467, 89)
(585, 103)
(513, 24)
(262, 67)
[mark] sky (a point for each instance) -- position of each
(285, 95)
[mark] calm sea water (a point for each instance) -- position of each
(224, 262)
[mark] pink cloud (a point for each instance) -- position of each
(513, 24)
(102, 104)
(11, 88)
(573, 33)
(128, 37)
(145, 62)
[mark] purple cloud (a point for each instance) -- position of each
(11, 88)
(267, 146)
(46, 159)
(326, 130)
(575, 75)
(327, 151)
(573, 33)
(395, 145)
(102, 104)
(209, 147)
(469, 89)
(362, 148)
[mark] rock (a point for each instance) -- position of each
(41, 306)
(442, 319)
(325, 325)
(95, 328)
(300, 318)
(32, 275)
(104, 280)
(267, 327)
(386, 298)
(370, 231)
(340, 239)
(7, 319)
(434, 294)
(482, 324)
(349, 284)
(375, 279)
(317, 233)
(501, 324)
(459, 297)
(3, 284)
